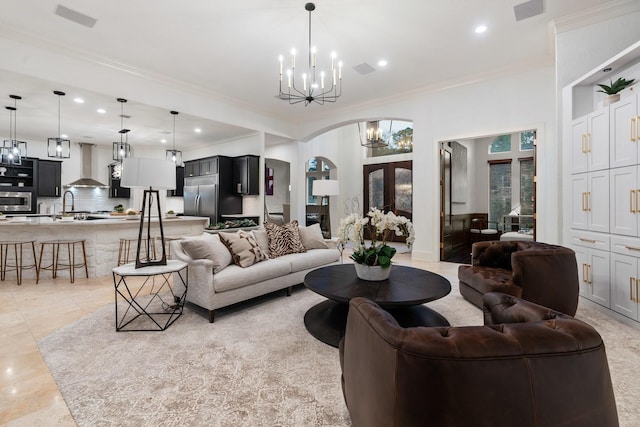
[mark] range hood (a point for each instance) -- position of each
(86, 181)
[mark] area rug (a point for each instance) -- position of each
(255, 366)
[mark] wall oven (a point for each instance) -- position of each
(16, 201)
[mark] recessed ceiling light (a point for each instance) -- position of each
(101, 110)
(481, 29)
(197, 130)
(64, 135)
(163, 141)
(382, 63)
(78, 100)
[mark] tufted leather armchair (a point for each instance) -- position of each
(529, 366)
(538, 272)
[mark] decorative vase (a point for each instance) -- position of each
(611, 99)
(372, 273)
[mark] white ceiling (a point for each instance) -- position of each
(229, 49)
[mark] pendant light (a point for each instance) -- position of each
(58, 147)
(122, 149)
(174, 155)
(13, 150)
(375, 135)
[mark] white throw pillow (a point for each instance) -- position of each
(208, 246)
(311, 237)
(262, 238)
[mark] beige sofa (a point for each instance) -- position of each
(214, 281)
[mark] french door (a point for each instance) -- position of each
(389, 187)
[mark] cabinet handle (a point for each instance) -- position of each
(584, 273)
(636, 290)
(631, 204)
(239, 187)
(637, 128)
(588, 142)
(637, 195)
(587, 240)
(632, 248)
(57, 191)
(584, 150)
(588, 204)
(582, 201)
(631, 126)
(631, 280)
(115, 192)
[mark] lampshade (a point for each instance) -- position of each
(145, 173)
(325, 187)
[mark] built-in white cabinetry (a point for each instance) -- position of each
(593, 258)
(625, 276)
(624, 134)
(601, 203)
(590, 142)
(590, 201)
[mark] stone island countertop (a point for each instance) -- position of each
(102, 236)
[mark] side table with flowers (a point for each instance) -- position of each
(373, 262)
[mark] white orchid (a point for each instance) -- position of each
(380, 226)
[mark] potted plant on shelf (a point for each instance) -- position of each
(613, 90)
(373, 261)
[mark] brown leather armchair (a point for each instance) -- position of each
(528, 366)
(538, 272)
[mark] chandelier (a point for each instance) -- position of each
(174, 155)
(375, 135)
(58, 147)
(122, 149)
(311, 86)
(13, 150)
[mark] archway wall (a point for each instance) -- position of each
(500, 105)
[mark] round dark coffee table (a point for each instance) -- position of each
(402, 295)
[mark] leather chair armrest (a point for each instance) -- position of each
(502, 308)
(477, 249)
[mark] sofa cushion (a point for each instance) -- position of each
(311, 259)
(234, 277)
(485, 279)
(262, 238)
(244, 248)
(208, 246)
(311, 237)
(283, 239)
(497, 255)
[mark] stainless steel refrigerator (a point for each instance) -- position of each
(201, 197)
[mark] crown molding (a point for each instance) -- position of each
(603, 12)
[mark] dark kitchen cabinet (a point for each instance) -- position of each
(115, 190)
(179, 190)
(192, 168)
(246, 175)
(208, 166)
(49, 178)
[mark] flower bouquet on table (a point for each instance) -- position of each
(373, 261)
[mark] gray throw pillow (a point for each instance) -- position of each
(311, 237)
(208, 246)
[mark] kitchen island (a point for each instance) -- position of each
(102, 236)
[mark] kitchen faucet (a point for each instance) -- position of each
(64, 202)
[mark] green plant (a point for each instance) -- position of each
(119, 208)
(616, 86)
(170, 212)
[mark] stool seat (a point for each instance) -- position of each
(71, 263)
(18, 266)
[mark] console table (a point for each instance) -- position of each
(146, 298)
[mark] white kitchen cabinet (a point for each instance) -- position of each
(625, 276)
(625, 206)
(590, 142)
(593, 258)
(590, 201)
(624, 131)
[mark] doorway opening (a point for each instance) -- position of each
(487, 188)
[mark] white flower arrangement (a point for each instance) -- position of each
(381, 226)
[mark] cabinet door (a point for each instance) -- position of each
(598, 140)
(209, 166)
(49, 178)
(579, 217)
(192, 168)
(599, 285)
(598, 201)
(579, 145)
(583, 265)
(624, 285)
(623, 138)
(624, 201)
(245, 173)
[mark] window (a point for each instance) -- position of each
(501, 144)
(526, 140)
(398, 133)
(526, 186)
(317, 168)
(499, 189)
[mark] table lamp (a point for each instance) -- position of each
(152, 175)
(325, 188)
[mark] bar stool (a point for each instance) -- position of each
(167, 242)
(126, 255)
(18, 266)
(55, 258)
